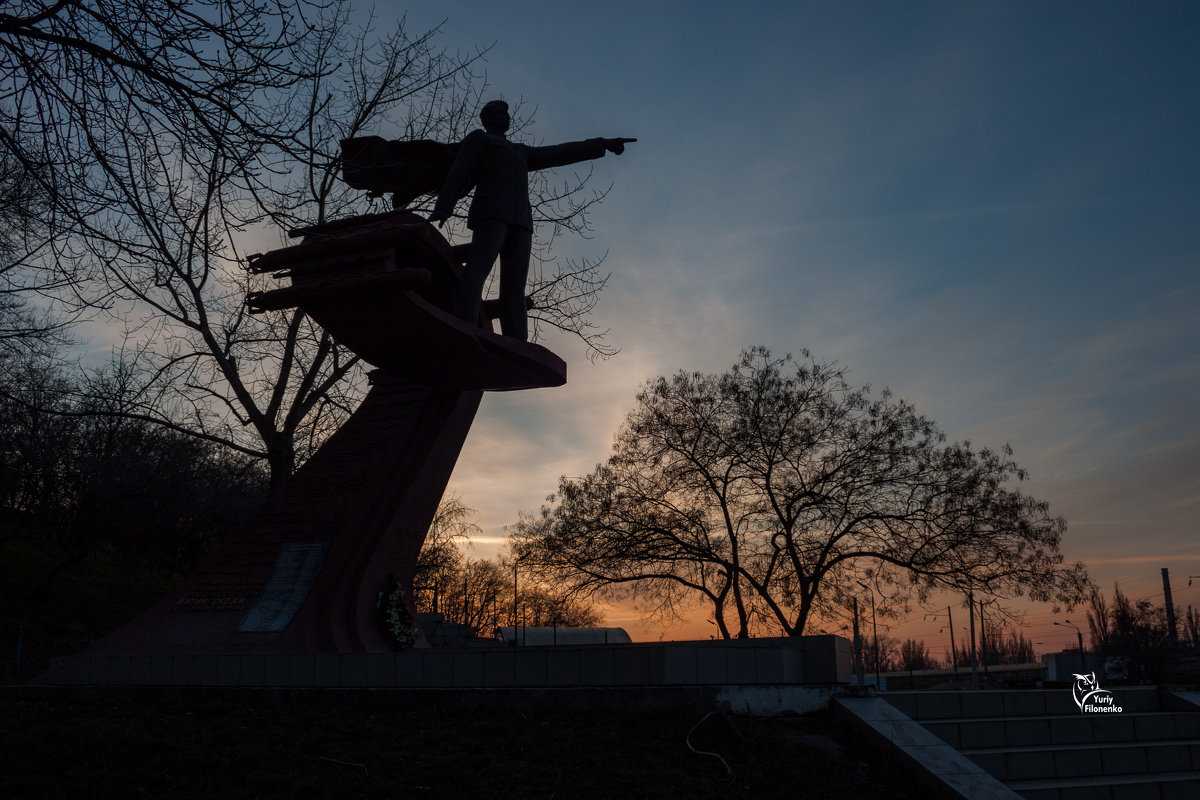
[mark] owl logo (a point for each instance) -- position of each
(1086, 688)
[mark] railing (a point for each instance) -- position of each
(1005, 673)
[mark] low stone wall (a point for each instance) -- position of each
(812, 660)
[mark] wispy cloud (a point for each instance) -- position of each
(989, 209)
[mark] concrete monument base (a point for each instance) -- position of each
(326, 565)
(793, 661)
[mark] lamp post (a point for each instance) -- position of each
(1066, 623)
(516, 561)
(950, 625)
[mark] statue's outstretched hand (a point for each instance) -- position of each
(439, 217)
(616, 146)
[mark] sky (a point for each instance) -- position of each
(990, 208)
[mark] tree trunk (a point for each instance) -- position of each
(801, 617)
(719, 618)
(281, 459)
(740, 605)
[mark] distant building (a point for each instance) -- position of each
(543, 637)
(1062, 667)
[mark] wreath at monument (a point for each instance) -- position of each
(394, 617)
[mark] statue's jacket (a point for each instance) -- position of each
(499, 171)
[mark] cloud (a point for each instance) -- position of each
(990, 213)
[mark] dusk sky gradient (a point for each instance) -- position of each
(991, 208)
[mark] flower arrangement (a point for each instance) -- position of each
(395, 620)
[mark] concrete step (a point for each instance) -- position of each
(922, 706)
(1043, 748)
(1163, 786)
(1088, 760)
(1053, 729)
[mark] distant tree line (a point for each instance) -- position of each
(1135, 636)
(994, 648)
(84, 480)
(479, 592)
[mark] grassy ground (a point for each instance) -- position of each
(86, 602)
(106, 749)
(58, 745)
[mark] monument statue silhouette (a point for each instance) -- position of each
(326, 565)
(500, 216)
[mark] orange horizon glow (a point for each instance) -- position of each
(1036, 625)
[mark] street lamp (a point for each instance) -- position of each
(950, 620)
(1066, 623)
(516, 561)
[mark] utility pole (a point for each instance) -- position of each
(874, 632)
(1171, 630)
(983, 637)
(875, 638)
(953, 660)
(858, 654)
(983, 642)
(974, 655)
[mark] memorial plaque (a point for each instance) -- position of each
(219, 595)
(295, 570)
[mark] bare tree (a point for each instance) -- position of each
(174, 139)
(479, 592)
(442, 553)
(73, 71)
(914, 655)
(1002, 645)
(773, 491)
(37, 434)
(82, 478)
(1138, 638)
(546, 606)
(25, 329)
(1191, 628)
(881, 654)
(1099, 621)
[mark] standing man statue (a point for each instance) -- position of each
(500, 218)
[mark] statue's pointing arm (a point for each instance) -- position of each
(460, 178)
(560, 155)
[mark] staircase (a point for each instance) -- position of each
(1039, 744)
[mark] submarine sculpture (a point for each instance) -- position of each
(326, 565)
